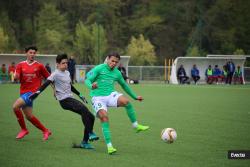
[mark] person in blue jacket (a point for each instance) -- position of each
(216, 74)
(195, 73)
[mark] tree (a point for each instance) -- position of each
(3, 40)
(193, 51)
(141, 51)
(52, 27)
(7, 26)
(239, 52)
(214, 26)
(171, 31)
(82, 43)
(99, 42)
(90, 43)
(227, 23)
(53, 38)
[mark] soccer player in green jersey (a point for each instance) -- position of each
(100, 80)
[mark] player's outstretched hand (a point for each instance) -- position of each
(34, 95)
(139, 98)
(94, 85)
(83, 98)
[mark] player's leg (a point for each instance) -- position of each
(36, 122)
(87, 118)
(241, 80)
(235, 79)
(103, 116)
(89, 122)
(186, 79)
(198, 78)
(230, 77)
(99, 105)
(210, 79)
(92, 135)
(27, 110)
(122, 101)
(20, 118)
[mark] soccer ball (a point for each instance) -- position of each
(131, 82)
(168, 135)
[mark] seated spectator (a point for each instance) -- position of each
(238, 78)
(209, 75)
(224, 74)
(195, 73)
(11, 71)
(123, 72)
(217, 74)
(3, 73)
(182, 76)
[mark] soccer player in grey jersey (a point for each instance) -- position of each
(63, 92)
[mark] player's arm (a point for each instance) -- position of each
(127, 89)
(41, 89)
(44, 72)
(49, 80)
(17, 72)
(89, 81)
(74, 90)
(45, 75)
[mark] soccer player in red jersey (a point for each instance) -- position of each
(30, 74)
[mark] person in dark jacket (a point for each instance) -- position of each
(71, 68)
(182, 76)
(230, 70)
(47, 66)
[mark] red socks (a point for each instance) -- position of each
(20, 118)
(37, 123)
(33, 120)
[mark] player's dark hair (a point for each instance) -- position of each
(30, 48)
(115, 54)
(60, 57)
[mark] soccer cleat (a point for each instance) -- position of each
(93, 137)
(86, 145)
(141, 128)
(46, 134)
(22, 133)
(111, 150)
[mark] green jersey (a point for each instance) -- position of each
(105, 77)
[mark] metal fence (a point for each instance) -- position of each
(147, 73)
(157, 73)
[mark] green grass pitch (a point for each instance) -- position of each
(209, 120)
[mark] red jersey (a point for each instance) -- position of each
(12, 69)
(30, 75)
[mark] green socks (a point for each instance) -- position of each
(131, 112)
(106, 132)
(105, 125)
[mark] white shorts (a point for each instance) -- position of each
(103, 102)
